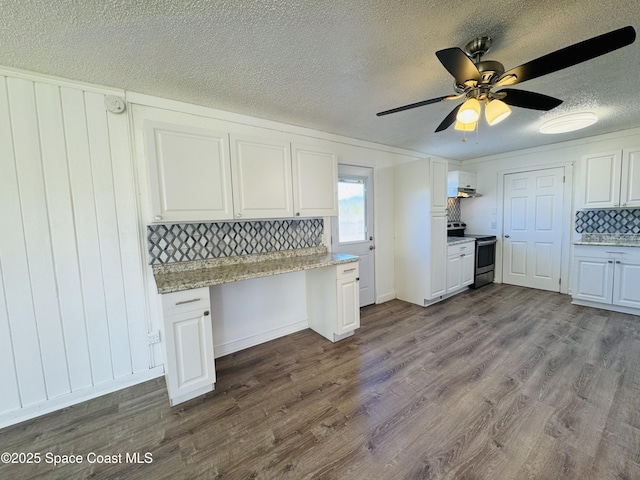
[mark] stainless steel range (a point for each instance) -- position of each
(485, 253)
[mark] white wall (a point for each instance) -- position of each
(480, 213)
(72, 309)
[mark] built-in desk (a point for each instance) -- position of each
(332, 306)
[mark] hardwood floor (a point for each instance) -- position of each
(498, 383)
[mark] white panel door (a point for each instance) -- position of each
(189, 171)
(352, 230)
(601, 180)
(626, 284)
(533, 228)
(468, 268)
(262, 180)
(594, 277)
(315, 181)
(454, 272)
(630, 185)
(348, 305)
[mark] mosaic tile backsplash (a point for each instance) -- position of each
(200, 241)
(453, 209)
(608, 221)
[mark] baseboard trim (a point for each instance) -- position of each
(385, 297)
(606, 306)
(32, 411)
(237, 345)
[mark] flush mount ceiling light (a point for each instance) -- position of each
(568, 123)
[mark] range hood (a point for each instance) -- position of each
(461, 185)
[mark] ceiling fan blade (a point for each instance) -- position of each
(532, 100)
(572, 55)
(414, 105)
(449, 119)
(458, 65)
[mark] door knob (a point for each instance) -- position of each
(372, 247)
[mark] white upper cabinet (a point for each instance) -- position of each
(315, 180)
(610, 179)
(190, 171)
(438, 173)
(630, 181)
(262, 180)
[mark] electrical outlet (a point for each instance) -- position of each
(153, 337)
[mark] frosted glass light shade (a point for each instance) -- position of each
(569, 123)
(466, 127)
(469, 112)
(496, 111)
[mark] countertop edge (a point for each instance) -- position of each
(607, 244)
(336, 259)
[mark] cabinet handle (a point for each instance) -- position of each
(297, 214)
(238, 215)
(617, 253)
(157, 217)
(188, 301)
(349, 270)
(462, 255)
(357, 279)
(206, 313)
(618, 262)
(507, 236)
(609, 261)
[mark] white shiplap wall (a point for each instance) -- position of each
(73, 319)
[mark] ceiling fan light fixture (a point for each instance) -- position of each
(496, 111)
(465, 127)
(469, 112)
(568, 123)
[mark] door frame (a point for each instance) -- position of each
(567, 219)
(372, 228)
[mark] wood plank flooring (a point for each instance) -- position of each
(499, 383)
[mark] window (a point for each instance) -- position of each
(352, 211)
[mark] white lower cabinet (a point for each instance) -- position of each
(333, 300)
(460, 265)
(188, 342)
(607, 277)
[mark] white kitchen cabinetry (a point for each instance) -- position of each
(188, 342)
(607, 277)
(315, 182)
(420, 229)
(460, 266)
(262, 179)
(610, 179)
(333, 300)
(459, 179)
(189, 169)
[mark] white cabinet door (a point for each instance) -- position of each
(261, 173)
(315, 180)
(594, 280)
(439, 174)
(630, 183)
(190, 363)
(468, 268)
(348, 303)
(626, 284)
(189, 170)
(438, 264)
(601, 180)
(454, 272)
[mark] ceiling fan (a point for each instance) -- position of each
(476, 79)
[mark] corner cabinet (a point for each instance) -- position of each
(607, 277)
(333, 300)
(610, 179)
(188, 342)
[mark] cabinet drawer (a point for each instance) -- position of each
(460, 248)
(185, 301)
(347, 270)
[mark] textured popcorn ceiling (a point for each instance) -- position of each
(332, 65)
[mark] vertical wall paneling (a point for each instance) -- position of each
(10, 398)
(62, 231)
(87, 238)
(127, 213)
(109, 240)
(15, 270)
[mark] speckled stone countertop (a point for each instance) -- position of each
(175, 277)
(610, 239)
(457, 240)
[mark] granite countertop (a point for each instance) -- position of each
(175, 277)
(457, 240)
(610, 239)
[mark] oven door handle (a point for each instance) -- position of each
(484, 243)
